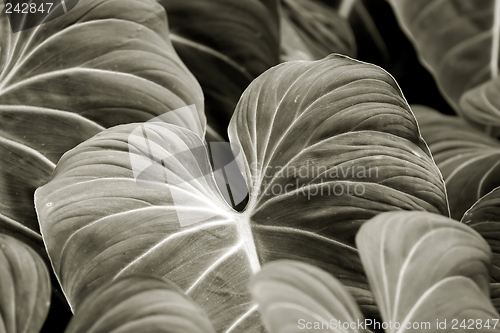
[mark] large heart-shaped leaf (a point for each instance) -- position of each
(226, 44)
(102, 64)
(145, 304)
(311, 30)
(294, 297)
(484, 217)
(458, 41)
(24, 288)
(424, 267)
(323, 146)
(468, 159)
(349, 117)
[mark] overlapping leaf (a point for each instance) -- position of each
(481, 107)
(484, 217)
(332, 116)
(24, 288)
(139, 304)
(294, 297)
(101, 64)
(468, 159)
(311, 30)
(98, 223)
(226, 44)
(458, 41)
(424, 267)
(306, 126)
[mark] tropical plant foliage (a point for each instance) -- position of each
(323, 140)
(394, 247)
(93, 198)
(25, 287)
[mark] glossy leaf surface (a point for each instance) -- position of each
(334, 116)
(139, 304)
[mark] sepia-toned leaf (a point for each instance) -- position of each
(294, 296)
(323, 118)
(311, 30)
(426, 268)
(484, 217)
(24, 288)
(467, 158)
(145, 304)
(459, 43)
(103, 63)
(225, 44)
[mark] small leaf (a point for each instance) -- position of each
(24, 288)
(290, 294)
(424, 267)
(467, 158)
(133, 304)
